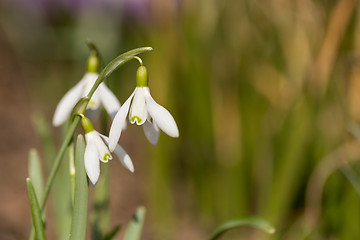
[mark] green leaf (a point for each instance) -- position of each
(43, 130)
(101, 201)
(352, 177)
(113, 233)
(35, 211)
(133, 231)
(80, 211)
(72, 170)
(60, 184)
(241, 222)
(35, 172)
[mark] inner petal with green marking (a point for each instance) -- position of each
(107, 157)
(136, 119)
(138, 112)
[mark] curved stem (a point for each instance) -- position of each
(139, 59)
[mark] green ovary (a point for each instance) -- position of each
(136, 117)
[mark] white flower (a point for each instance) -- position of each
(102, 96)
(97, 150)
(144, 111)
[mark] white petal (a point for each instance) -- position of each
(67, 103)
(152, 132)
(124, 158)
(122, 155)
(94, 102)
(119, 123)
(138, 113)
(108, 100)
(90, 79)
(104, 153)
(92, 163)
(161, 116)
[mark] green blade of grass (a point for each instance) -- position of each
(35, 211)
(352, 176)
(113, 233)
(133, 231)
(43, 130)
(35, 172)
(79, 217)
(241, 222)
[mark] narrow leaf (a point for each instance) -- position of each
(35, 211)
(43, 130)
(35, 172)
(101, 201)
(352, 176)
(72, 169)
(113, 233)
(80, 211)
(133, 231)
(59, 184)
(241, 222)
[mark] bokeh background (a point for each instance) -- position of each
(265, 94)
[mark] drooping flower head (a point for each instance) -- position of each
(97, 151)
(144, 111)
(101, 97)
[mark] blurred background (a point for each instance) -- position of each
(265, 94)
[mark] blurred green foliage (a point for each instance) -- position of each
(263, 93)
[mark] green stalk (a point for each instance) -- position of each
(35, 172)
(101, 214)
(72, 171)
(133, 231)
(81, 194)
(35, 212)
(59, 157)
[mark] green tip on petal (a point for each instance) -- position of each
(87, 125)
(137, 118)
(93, 64)
(141, 77)
(106, 157)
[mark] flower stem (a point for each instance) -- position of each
(59, 157)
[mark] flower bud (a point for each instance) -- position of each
(141, 77)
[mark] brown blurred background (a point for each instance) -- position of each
(265, 95)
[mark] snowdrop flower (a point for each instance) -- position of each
(144, 111)
(97, 150)
(102, 96)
